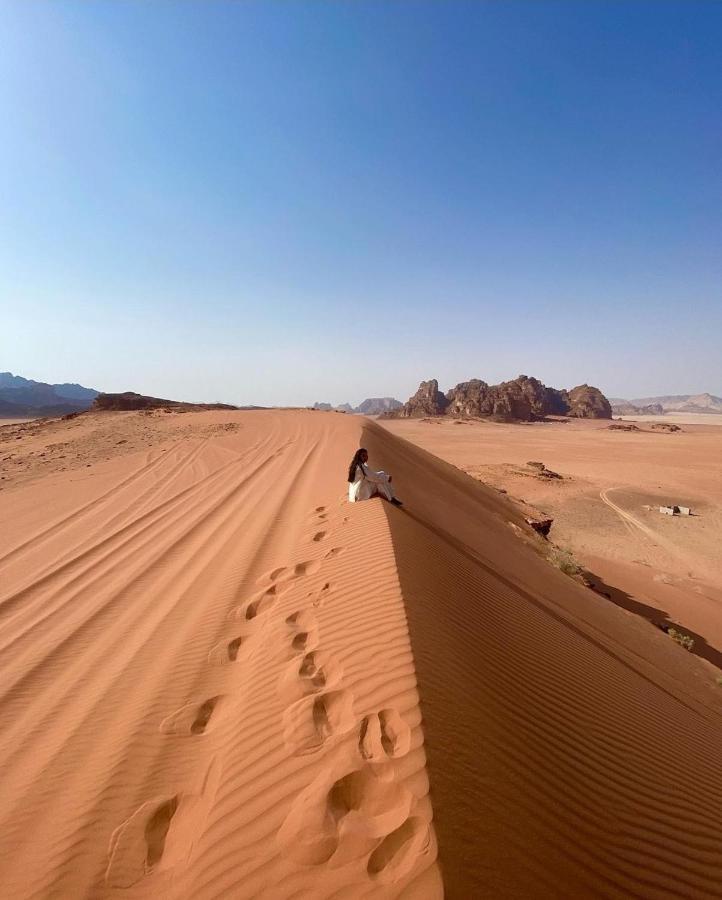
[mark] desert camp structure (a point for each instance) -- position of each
(675, 510)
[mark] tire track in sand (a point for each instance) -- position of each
(633, 523)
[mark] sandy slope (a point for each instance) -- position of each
(214, 673)
(208, 688)
(573, 750)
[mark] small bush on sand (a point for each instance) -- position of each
(679, 637)
(564, 560)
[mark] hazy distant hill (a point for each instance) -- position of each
(372, 406)
(24, 397)
(698, 403)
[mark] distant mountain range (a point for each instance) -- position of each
(372, 406)
(668, 403)
(22, 397)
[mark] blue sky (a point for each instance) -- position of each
(285, 202)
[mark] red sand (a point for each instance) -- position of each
(215, 672)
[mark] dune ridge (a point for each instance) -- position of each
(219, 679)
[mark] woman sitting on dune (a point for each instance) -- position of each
(363, 483)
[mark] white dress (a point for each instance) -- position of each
(367, 484)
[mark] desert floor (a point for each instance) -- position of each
(606, 504)
(8, 421)
(221, 680)
(705, 419)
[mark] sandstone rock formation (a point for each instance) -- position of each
(427, 401)
(586, 402)
(522, 399)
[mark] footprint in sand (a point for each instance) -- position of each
(161, 833)
(304, 632)
(137, 846)
(319, 514)
(319, 536)
(384, 735)
(282, 575)
(227, 651)
(273, 575)
(335, 551)
(360, 805)
(306, 568)
(399, 851)
(321, 595)
(315, 672)
(313, 722)
(191, 719)
(260, 605)
(318, 670)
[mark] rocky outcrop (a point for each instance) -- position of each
(586, 402)
(470, 398)
(427, 401)
(541, 526)
(543, 400)
(523, 399)
(511, 404)
(622, 426)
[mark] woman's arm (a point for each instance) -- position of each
(375, 477)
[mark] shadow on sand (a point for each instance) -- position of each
(657, 617)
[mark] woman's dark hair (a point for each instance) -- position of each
(355, 462)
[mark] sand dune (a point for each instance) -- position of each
(221, 680)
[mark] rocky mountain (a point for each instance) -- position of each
(522, 399)
(21, 397)
(698, 403)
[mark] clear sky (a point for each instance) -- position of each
(285, 202)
